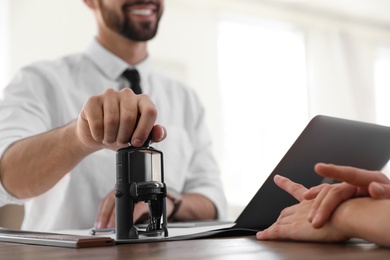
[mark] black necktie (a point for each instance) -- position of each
(137, 159)
(133, 77)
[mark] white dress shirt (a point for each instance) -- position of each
(50, 94)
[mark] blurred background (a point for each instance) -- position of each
(262, 68)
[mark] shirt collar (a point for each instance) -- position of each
(111, 65)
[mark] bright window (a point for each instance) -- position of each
(4, 49)
(264, 95)
(382, 86)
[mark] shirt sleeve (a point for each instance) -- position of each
(204, 177)
(204, 174)
(22, 114)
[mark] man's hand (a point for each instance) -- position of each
(110, 119)
(106, 212)
(356, 183)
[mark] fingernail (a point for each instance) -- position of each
(162, 133)
(316, 219)
(379, 189)
(120, 144)
(137, 142)
(258, 234)
(310, 217)
(278, 177)
(98, 224)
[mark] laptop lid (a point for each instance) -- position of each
(325, 139)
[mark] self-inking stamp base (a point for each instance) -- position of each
(133, 186)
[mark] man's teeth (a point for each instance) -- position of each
(142, 12)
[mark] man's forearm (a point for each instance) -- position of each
(196, 207)
(33, 165)
(364, 218)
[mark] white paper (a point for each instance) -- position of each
(178, 230)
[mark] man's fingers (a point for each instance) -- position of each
(106, 207)
(351, 175)
(159, 133)
(111, 112)
(92, 115)
(128, 115)
(113, 117)
(111, 221)
(147, 118)
(141, 211)
(294, 189)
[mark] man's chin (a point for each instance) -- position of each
(139, 37)
(144, 33)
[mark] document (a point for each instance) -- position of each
(107, 237)
(176, 231)
(54, 239)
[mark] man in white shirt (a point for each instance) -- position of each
(62, 121)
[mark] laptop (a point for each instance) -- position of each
(325, 139)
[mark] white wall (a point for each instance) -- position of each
(4, 43)
(47, 29)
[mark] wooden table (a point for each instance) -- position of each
(238, 248)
